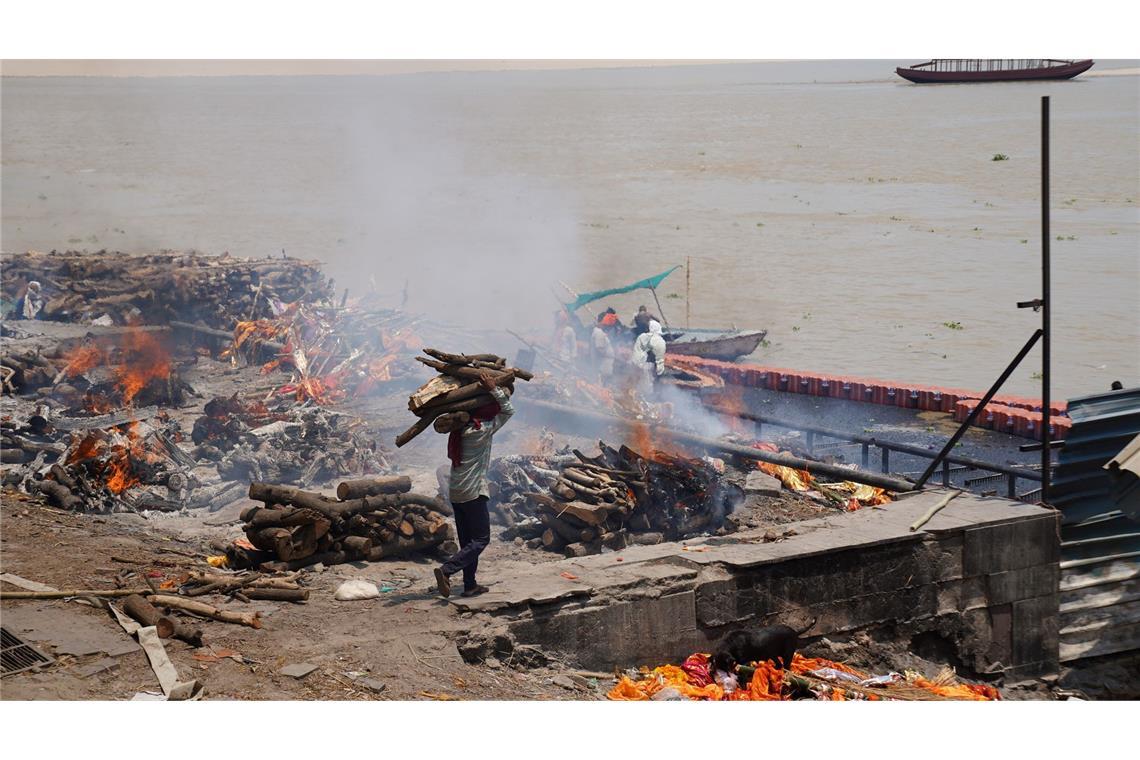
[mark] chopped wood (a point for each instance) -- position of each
(146, 614)
(253, 620)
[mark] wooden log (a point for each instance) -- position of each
(275, 494)
(585, 492)
(443, 356)
(325, 558)
(563, 491)
(566, 532)
(581, 478)
(10, 455)
(274, 583)
(253, 620)
(465, 392)
(552, 540)
(639, 522)
(357, 546)
(646, 539)
(67, 594)
(466, 405)
(146, 614)
(283, 517)
(473, 373)
(402, 547)
(582, 549)
(449, 421)
(59, 495)
(407, 530)
(277, 594)
(616, 540)
(422, 424)
(589, 514)
(356, 489)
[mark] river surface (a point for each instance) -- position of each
(860, 219)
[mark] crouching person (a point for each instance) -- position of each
(469, 449)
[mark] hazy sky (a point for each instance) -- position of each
(299, 67)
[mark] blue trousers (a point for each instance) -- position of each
(473, 526)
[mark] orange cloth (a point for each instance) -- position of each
(767, 684)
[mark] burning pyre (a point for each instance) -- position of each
(580, 504)
(332, 354)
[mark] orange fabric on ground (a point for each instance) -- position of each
(767, 684)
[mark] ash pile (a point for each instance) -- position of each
(106, 288)
(289, 444)
(581, 505)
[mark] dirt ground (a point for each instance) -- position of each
(403, 640)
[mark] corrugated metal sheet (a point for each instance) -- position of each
(1100, 542)
(1103, 425)
(1124, 469)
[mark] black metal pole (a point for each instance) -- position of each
(977, 410)
(1046, 451)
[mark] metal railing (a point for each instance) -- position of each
(813, 434)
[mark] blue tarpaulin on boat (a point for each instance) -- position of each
(648, 282)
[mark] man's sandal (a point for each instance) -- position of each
(442, 583)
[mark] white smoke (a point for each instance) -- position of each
(476, 244)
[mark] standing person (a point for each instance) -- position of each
(648, 357)
(641, 321)
(603, 351)
(565, 339)
(469, 449)
(29, 305)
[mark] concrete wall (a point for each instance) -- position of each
(979, 586)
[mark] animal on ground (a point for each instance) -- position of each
(777, 643)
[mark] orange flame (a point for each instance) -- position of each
(82, 359)
(146, 360)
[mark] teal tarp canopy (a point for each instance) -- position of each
(648, 282)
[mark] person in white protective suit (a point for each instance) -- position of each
(648, 357)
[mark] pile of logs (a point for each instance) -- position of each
(456, 391)
(372, 519)
(218, 291)
(610, 500)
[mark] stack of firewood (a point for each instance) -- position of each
(371, 519)
(610, 500)
(456, 391)
(153, 289)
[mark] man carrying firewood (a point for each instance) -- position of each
(469, 449)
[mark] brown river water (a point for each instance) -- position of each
(859, 218)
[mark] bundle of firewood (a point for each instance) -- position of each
(81, 286)
(456, 391)
(371, 519)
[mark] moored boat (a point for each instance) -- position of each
(958, 70)
(724, 347)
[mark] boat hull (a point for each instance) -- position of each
(724, 349)
(923, 76)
